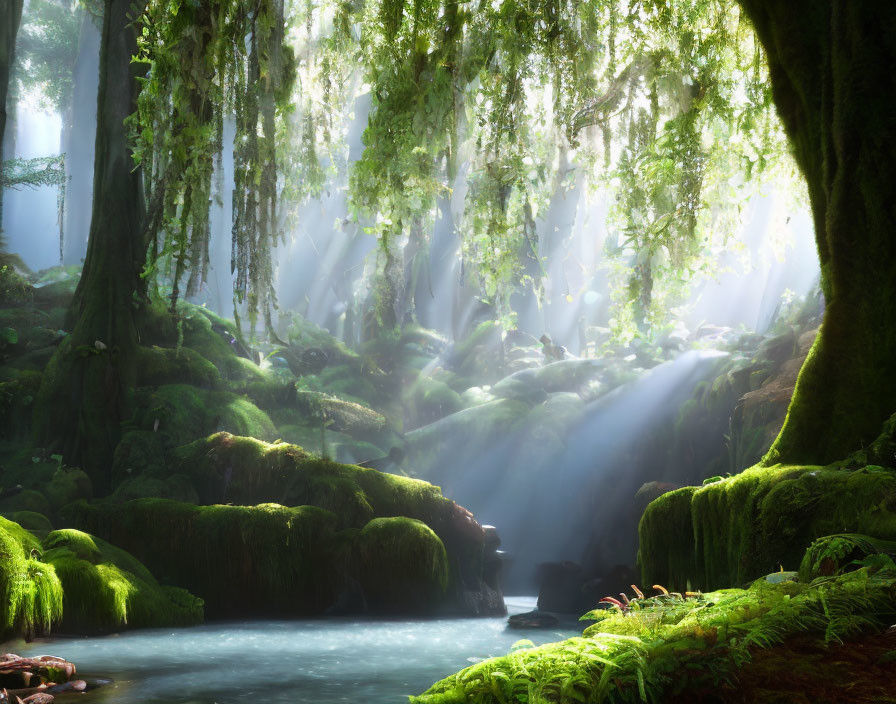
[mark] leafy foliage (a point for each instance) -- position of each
(661, 646)
(204, 60)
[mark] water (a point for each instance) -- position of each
(321, 661)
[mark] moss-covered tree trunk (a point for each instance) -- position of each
(10, 19)
(85, 393)
(831, 65)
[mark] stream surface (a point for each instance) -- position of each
(321, 660)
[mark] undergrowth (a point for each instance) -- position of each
(662, 646)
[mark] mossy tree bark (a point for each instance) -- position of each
(831, 65)
(86, 390)
(10, 19)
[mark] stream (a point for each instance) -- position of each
(321, 660)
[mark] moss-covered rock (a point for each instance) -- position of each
(68, 484)
(734, 530)
(25, 500)
(33, 522)
(344, 499)
(431, 399)
(176, 487)
(106, 589)
(139, 452)
(404, 566)
(265, 560)
(342, 416)
(157, 366)
(30, 591)
(182, 413)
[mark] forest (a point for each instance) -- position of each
(448, 351)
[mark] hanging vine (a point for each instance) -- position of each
(205, 60)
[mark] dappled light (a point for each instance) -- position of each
(349, 344)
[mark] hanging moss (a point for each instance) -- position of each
(403, 565)
(30, 591)
(265, 560)
(183, 544)
(750, 524)
(106, 589)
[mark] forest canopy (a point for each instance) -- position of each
(664, 106)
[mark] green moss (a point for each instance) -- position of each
(157, 366)
(182, 413)
(265, 560)
(215, 551)
(432, 399)
(138, 452)
(227, 468)
(36, 523)
(67, 485)
(26, 500)
(105, 588)
(750, 524)
(30, 591)
(404, 566)
(342, 416)
(176, 487)
(664, 647)
(664, 555)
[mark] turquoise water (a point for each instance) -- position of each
(321, 661)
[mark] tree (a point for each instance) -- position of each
(10, 18)
(831, 71)
(93, 372)
(156, 136)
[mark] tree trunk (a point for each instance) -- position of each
(81, 137)
(10, 18)
(87, 386)
(831, 64)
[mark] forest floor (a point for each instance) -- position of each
(804, 671)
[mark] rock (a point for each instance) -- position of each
(492, 539)
(533, 619)
(778, 349)
(403, 566)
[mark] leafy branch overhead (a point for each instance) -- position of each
(664, 105)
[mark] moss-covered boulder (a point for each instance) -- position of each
(106, 589)
(68, 484)
(157, 366)
(30, 590)
(35, 523)
(251, 561)
(341, 500)
(403, 565)
(731, 531)
(342, 416)
(182, 413)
